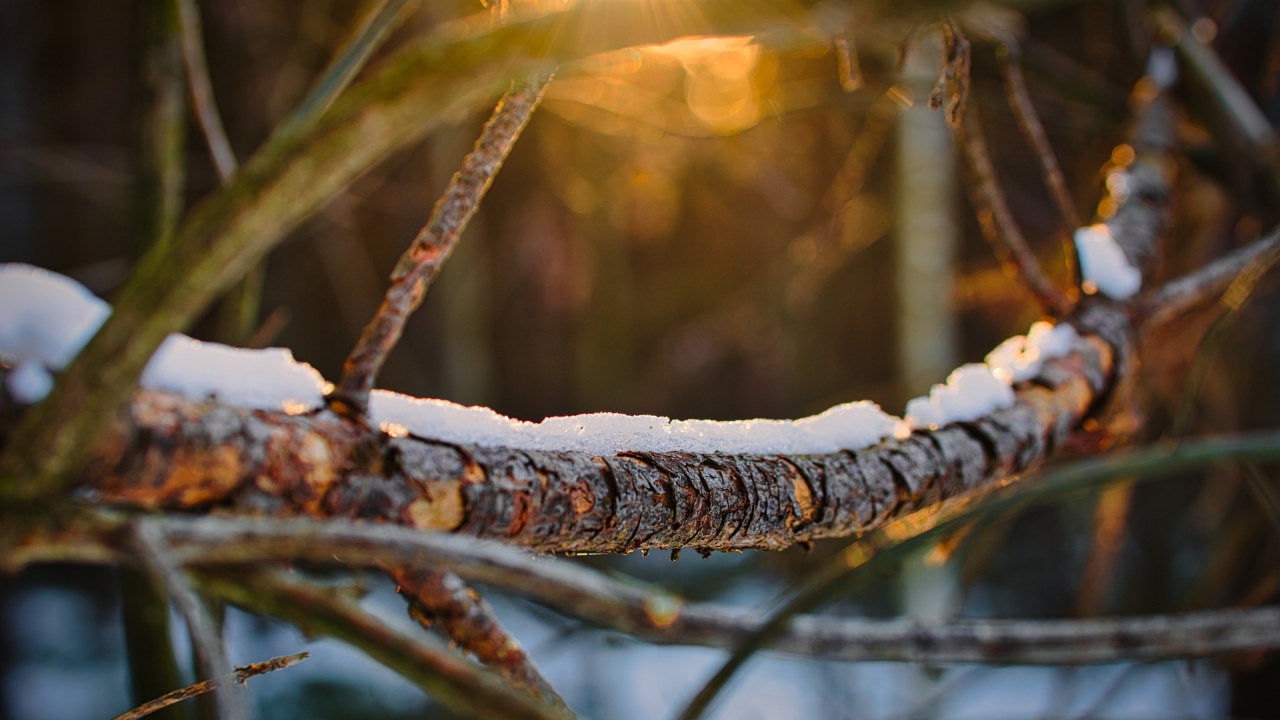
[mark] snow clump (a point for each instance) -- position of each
(970, 392)
(1103, 265)
(851, 426)
(47, 318)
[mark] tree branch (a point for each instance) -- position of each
(657, 615)
(420, 264)
(459, 66)
(211, 656)
(202, 102)
(996, 219)
(441, 599)
(1176, 298)
(462, 686)
(323, 466)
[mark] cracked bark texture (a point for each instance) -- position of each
(173, 453)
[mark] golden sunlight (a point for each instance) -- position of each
(691, 86)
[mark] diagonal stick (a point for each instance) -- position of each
(420, 264)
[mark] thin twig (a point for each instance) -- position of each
(460, 685)
(1233, 300)
(158, 186)
(657, 615)
(239, 676)
(441, 599)
(1110, 524)
(202, 102)
(161, 171)
(1009, 57)
(1176, 298)
(379, 21)
(211, 655)
(240, 307)
(953, 82)
(418, 267)
(996, 219)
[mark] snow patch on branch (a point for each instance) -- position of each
(45, 319)
(974, 390)
(1103, 265)
(267, 379)
(851, 426)
(970, 392)
(1020, 357)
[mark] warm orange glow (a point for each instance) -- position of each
(1122, 156)
(692, 86)
(663, 610)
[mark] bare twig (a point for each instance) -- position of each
(378, 22)
(659, 616)
(242, 304)
(161, 167)
(211, 655)
(1207, 284)
(1009, 55)
(953, 83)
(462, 686)
(1263, 493)
(1110, 523)
(998, 225)
(240, 675)
(206, 109)
(158, 186)
(419, 265)
(1233, 300)
(442, 599)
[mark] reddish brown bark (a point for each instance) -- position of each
(175, 454)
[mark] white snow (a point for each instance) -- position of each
(970, 392)
(268, 379)
(1103, 265)
(47, 319)
(1020, 357)
(851, 426)
(29, 382)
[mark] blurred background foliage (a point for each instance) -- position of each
(706, 229)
